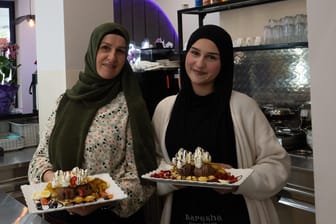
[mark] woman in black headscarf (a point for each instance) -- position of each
(227, 124)
(102, 125)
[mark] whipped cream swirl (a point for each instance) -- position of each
(63, 178)
(198, 158)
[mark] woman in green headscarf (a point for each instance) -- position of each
(101, 125)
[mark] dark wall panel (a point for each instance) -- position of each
(143, 20)
(152, 22)
(127, 16)
(139, 25)
(165, 32)
(117, 11)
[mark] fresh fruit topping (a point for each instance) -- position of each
(73, 181)
(219, 177)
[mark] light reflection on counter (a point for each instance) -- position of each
(12, 211)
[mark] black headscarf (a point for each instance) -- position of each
(79, 106)
(223, 41)
(212, 112)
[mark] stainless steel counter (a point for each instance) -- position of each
(16, 158)
(14, 172)
(12, 211)
(302, 162)
(296, 201)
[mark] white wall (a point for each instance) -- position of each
(62, 35)
(25, 38)
(322, 48)
(77, 37)
(50, 55)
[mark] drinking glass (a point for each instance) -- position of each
(300, 27)
(288, 29)
(267, 35)
(277, 32)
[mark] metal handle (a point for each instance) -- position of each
(14, 179)
(302, 192)
(297, 204)
(31, 88)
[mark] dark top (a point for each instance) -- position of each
(203, 126)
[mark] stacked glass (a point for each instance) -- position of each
(286, 30)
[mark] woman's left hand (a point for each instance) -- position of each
(226, 190)
(84, 211)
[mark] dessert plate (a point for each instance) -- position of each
(29, 190)
(241, 174)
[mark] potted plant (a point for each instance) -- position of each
(8, 75)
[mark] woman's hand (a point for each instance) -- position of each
(48, 176)
(224, 165)
(226, 190)
(178, 187)
(85, 210)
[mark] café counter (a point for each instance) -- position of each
(13, 173)
(12, 211)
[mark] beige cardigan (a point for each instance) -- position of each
(257, 148)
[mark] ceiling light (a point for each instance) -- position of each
(30, 18)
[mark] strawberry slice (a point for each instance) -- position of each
(73, 181)
(81, 191)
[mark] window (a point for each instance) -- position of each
(7, 23)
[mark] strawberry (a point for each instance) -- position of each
(81, 191)
(73, 181)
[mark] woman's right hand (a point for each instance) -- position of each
(178, 187)
(229, 190)
(48, 176)
(224, 165)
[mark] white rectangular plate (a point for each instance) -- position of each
(29, 190)
(242, 174)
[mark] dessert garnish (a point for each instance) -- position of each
(195, 166)
(71, 187)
